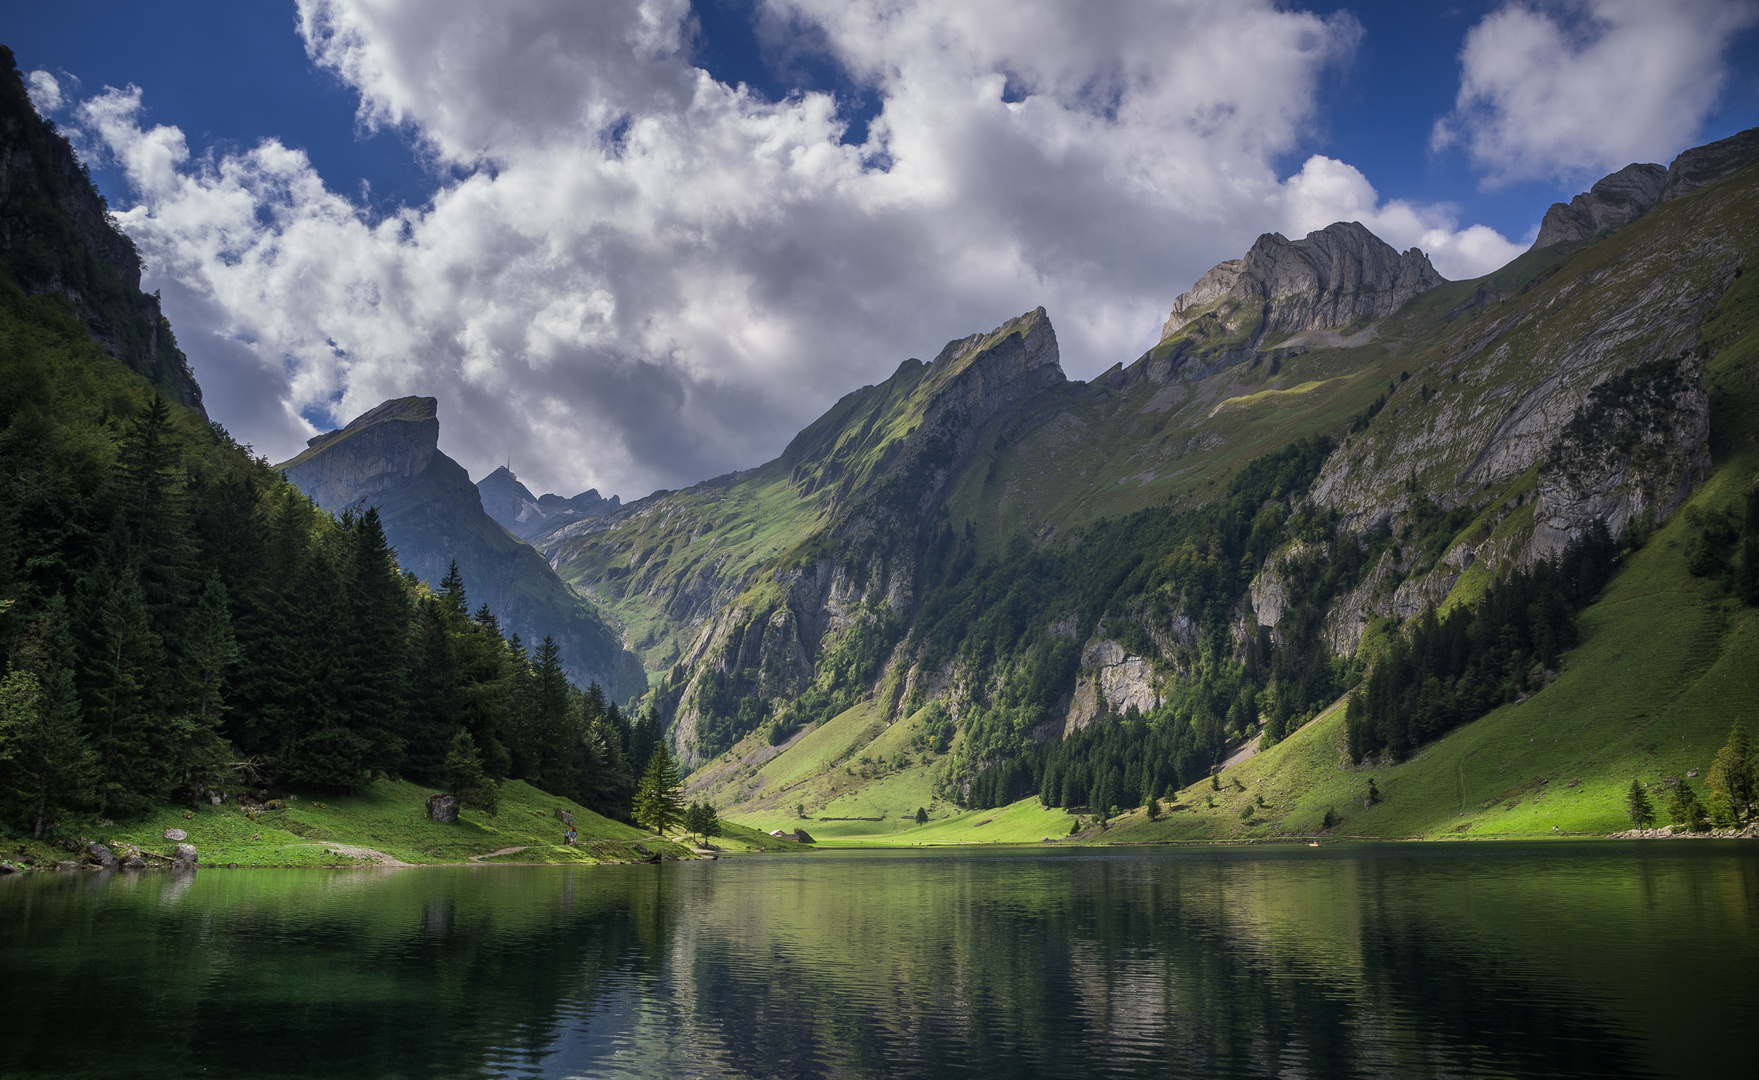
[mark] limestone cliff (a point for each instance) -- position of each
(1622, 197)
(1334, 277)
(1616, 200)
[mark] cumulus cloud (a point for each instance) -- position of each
(1328, 190)
(1573, 90)
(44, 91)
(640, 276)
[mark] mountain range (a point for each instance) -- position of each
(1461, 431)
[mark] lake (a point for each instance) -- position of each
(1607, 959)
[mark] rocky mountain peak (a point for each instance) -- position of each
(1622, 197)
(1332, 277)
(529, 516)
(380, 449)
(1618, 199)
(1711, 162)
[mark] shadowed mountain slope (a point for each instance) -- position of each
(389, 458)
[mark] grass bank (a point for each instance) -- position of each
(386, 823)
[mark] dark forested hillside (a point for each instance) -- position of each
(175, 618)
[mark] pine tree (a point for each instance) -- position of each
(700, 818)
(1153, 808)
(46, 765)
(644, 737)
(1637, 804)
(123, 659)
(552, 730)
(921, 815)
(452, 590)
(656, 800)
(1685, 809)
(375, 656)
(1731, 776)
(465, 776)
(433, 714)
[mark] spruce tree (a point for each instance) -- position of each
(466, 778)
(552, 731)
(657, 804)
(1637, 804)
(47, 767)
(124, 660)
(921, 815)
(433, 714)
(1731, 776)
(1685, 809)
(375, 653)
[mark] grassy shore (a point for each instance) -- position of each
(385, 824)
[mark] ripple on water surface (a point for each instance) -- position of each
(1399, 960)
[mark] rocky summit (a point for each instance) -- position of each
(1624, 196)
(530, 516)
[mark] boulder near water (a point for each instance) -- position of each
(443, 808)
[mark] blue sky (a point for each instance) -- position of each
(828, 305)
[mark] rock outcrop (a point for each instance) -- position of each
(1336, 276)
(1615, 201)
(380, 451)
(389, 458)
(1624, 196)
(529, 516)
(1711, 162)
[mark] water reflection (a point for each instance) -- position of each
(1405, 961)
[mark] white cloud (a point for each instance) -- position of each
(645, 277)
(44, 91)
(1573, 90)
(1328, 190)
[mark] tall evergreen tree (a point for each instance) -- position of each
(465, 776)
(553, 730)
(123, 660)
(1731, 777)
(657, 803)
(1637, 804)
(47, 767)
(375, 652)
(434, 714)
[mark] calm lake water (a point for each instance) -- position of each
(1403, 960)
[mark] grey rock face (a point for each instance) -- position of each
(186, 855)
(1709, 163)
(102, 855)
(1626, 195)
(1332, 277)
(1616, 200)
(385, 448)
(529, 516)
(1638, 443)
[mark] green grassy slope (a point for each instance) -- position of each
(388, 820)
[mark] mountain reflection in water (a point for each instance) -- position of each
(1419, 960)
